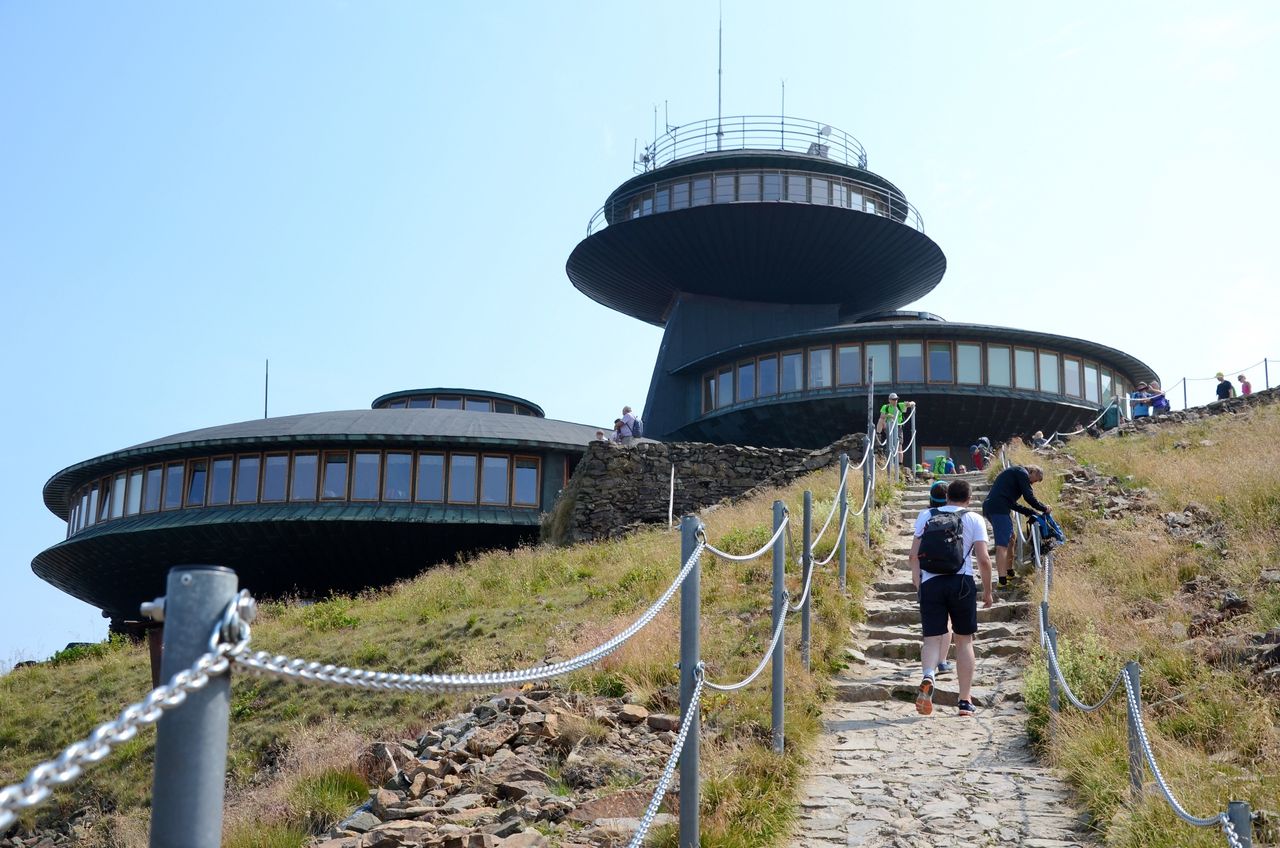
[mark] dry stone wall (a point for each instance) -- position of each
(618, 488)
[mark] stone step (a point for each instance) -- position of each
(1002, 611)
(894, 586)
(870, 635)
(909, 649)
(945, 693)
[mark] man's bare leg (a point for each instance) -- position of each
(965, 663)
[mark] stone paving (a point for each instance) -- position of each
(885, 777)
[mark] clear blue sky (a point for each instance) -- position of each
(380, 196)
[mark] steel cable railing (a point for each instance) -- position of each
(835, 506)
(230, 639)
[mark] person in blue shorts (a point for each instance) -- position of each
(1011, 485)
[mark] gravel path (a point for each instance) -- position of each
(886, 777)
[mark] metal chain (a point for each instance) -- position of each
(1135, 715)
(263, 662)
(668, 773)
(1066, 688)
(1229, 831)
(70, 764)
(702, 541)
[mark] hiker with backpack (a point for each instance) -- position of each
(1010, 485)
(948, 539)
(632, 427)
(938, 498)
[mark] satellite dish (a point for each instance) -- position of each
(826, 130)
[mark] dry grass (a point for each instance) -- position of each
(500, 609)
(1117, 596)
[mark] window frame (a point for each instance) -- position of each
(880, 379)
(537, 480)
(293, 472)
(982, 361)
(782, 357)
(737, 380)
(1079, 361)
(1057, 357)
(475, 474)
(808, 368)
(897, 361)
(1035, 369)
(257, 483)
(986, 366)
(231, 479)
(444, 476)
(182, 493)
(352, 470)
(507, 484)
(386, 457)
(189, 478)
(928, 362)
(262, 477)
(839, 371)
(776, 375)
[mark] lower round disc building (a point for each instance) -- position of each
(313, 503)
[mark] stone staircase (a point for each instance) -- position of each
(885, 777)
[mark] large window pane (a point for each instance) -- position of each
(1049, 373)
(998, 371)
(680, 196)
(708, 392)
(910, 362)
(430, 477)
(335, 476)
(448, 403)
(797, 188)
(662, 200)
(104, 500)
(526, 483)
(91, 512)
(196, 482)
(364, 478)
(773, 186)
(1024, 368)
(1107, 388)
(478, 405)
(792, 371)
(306, 470)
(275, 474)
(173, 473)
(969, 363)
(749, 187)
(220, 482)
(820, 368)
(1091, 382)
(724, 188)
(133, 503)
(420, 402)
(462, 478)
(81, 516)
(821, 190)
(746, 380)
(724, 387)
(152, 488)
(940, 363)
(493, 480)
(701, 192)
(849, 365)
(879, 354)
(397, 476)
(1071, 383)
(767, 375)
(504, 407)
(247, 468)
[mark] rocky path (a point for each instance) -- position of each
(886, 777)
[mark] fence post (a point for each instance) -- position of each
(191, 741)
(1184, 393)
(1266, 374)
(779, 612)
(690, 656)
(1132, 669)
(869, 467)
(915, 435)
(1242, 820)
(844, 518)
(806, 565)
(1052, 633)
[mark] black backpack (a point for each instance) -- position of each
(637, 428)
(942, 542)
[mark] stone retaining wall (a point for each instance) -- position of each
(1233, 406)
(615, 489)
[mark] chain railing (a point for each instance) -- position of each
(1235, 822)
(207, 631)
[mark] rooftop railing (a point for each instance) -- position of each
(753, 132)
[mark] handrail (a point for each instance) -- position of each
(752, 132)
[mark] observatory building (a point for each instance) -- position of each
(778, 264)
(311, 503)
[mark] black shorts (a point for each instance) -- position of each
(953, 596)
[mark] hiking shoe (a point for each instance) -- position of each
(966, 708)
(1004, 581)
(945, 667)
(924, 697)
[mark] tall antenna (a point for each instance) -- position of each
(720, 79)
(782, 123)
(266, 387)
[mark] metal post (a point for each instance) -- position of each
(1135, 744)
(1184, 392)
(915, 435)
(844, 517)
(869, 467)
(1052, 633)
(1266, 374)
(1048, 573)
(191, 741)
(779, 612)
(690, 656)
(1242, 820)
(806, 565)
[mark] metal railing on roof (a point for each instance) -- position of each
(753, 132)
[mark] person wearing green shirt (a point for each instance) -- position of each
(899, 410)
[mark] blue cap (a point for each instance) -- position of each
(938, 493)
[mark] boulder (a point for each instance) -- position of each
(486, 740)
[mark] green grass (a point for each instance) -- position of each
(498, 610)
(1118, 596)
(318, 802)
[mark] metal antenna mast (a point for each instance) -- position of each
(266, 386)
(720, 79)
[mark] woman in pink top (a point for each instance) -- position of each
(1246, 388)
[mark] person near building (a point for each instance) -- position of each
(1246, 388)
(894, 412)
(1138, 399)
(951, 466)
(1011, 485)
(631, 426)
(948, 540)
(938, 498)
(1225, 389)
(1159, 400)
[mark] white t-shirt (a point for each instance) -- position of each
(628, 425)
(972, 526)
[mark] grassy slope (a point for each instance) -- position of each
(498, 610)
(1117, 596)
